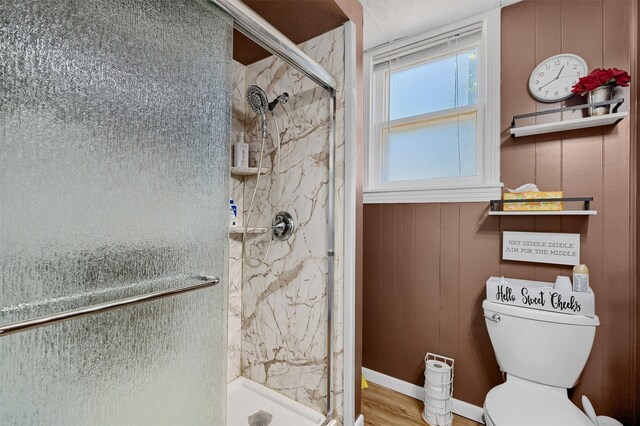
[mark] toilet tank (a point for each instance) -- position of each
(545, 347)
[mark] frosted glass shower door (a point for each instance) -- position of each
(114, 121)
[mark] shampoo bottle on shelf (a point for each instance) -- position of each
(241, 152)
(581, 278)
(233, 213)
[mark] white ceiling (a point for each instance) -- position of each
(388, 20)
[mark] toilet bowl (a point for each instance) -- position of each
(542, 354)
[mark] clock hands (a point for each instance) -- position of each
(554, 79)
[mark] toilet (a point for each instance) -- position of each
(542, 354)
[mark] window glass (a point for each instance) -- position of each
(430, 149)
(445, 82)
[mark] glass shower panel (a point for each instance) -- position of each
(114, 121)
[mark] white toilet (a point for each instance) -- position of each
(543, 354)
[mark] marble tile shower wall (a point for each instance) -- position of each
(283, 312)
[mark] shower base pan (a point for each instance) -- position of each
(246, 397)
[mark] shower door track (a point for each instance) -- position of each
(103, 307)
(259, 30)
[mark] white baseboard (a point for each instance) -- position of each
(460, 408)
(360, 421)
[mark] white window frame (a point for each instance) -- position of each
(486, 184)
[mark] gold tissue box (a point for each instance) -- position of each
(541, 205)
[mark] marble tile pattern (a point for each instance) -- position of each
(284, 300)
(235, 242)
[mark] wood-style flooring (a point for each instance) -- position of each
(384, 407)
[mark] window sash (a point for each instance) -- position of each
(418, 150)
(381, 92)
(377, 160)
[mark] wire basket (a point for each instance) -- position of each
(438, 390)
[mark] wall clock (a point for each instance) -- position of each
(552, 79)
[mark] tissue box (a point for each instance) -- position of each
(543, 205)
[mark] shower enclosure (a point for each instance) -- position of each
(285, 334)
(114, 119)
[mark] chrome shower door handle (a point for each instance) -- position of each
(5, 330)
(494, 318)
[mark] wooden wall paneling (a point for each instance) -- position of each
(449, 281)
(634, 125)
(548, 162)
(372, 341)
(427, 286)
(615, 292)
(582, 175)
(517, 155)
(479, 259)
(388, 325)
(405, 302)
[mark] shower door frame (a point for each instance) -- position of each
(260, 31)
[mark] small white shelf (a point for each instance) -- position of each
(239, 230)
(544, 213)
(247, 171)
(561, 126)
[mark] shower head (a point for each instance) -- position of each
(257, 99)
(259, 103)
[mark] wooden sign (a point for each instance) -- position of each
(541, 247)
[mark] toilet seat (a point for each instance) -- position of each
(522, 403)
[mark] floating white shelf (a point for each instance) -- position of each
(561, 126)
(544, 213)
(247, 171)
(250, 230)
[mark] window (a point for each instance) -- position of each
(433, 116)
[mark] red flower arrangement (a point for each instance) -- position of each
(599, 77)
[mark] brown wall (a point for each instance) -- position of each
(425, 265)
(635, 135)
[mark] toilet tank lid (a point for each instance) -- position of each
(516, 311)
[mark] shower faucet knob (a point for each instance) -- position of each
(283, 226)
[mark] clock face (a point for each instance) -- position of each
(552, 80)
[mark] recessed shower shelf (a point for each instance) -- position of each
(239, 230)
(247, 171)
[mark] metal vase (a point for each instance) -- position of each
(601, 94)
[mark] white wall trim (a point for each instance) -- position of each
(349, 279)
(460, 408)
(480, 193)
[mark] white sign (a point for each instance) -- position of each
(541, 247)
(540, 295)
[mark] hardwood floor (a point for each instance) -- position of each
(384, 407)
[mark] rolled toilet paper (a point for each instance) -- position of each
(438, 379)
(563, 284)
(430, 417)
(438, 404)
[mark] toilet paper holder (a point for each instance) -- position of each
(438, 396)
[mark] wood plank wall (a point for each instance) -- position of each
(425, 265)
